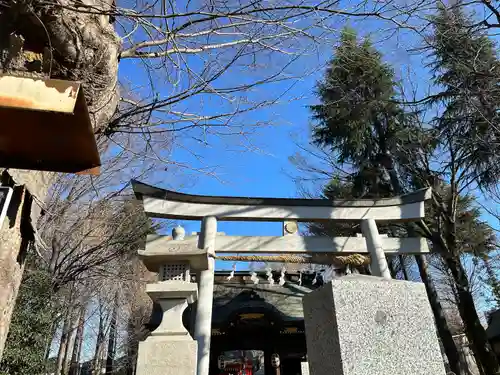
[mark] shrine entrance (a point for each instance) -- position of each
(255, 323)
(258, 339)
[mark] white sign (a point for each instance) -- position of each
(5, 197)
(304, 366)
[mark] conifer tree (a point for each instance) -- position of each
(360, 121)
(466, 68)
(357, 116)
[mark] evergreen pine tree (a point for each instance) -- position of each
(467, 70)
(359, 119)
(466, 67)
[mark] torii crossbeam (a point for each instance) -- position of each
(162, 203)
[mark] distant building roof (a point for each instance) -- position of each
(285, 301)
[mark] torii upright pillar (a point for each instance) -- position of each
(374, 244)
(203, 323)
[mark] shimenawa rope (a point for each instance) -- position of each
(355, 260)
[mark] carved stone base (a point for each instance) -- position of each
(173, 297)
(160, 356)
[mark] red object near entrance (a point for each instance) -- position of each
(238, 369)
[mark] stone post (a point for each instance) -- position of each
(359, 325)
(203, 324)
(379, 264)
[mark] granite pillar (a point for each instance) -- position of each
(203, 323)
(359, 325)
(379, 264)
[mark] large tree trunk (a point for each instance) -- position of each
(392, 269)
(72, 337)
(403, 268)
(12, 245)
(41, 39)
(99, 345)
(473, 328)
(63, 344)
(444, 332)
(75, 358)
(112, 337)
(15, 236)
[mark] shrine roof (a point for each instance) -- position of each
(233, 296)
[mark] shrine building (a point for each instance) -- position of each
(252, 321)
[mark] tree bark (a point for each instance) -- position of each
(392, 269)
(444, 332)
(70, 347)
(473, 328)
(16, 234)
(77, 346)
(38, 39)
(75, 358)
(403, 268)
(63, 345)
(99, 346)
(112, 337)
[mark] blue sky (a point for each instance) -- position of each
(266, 171)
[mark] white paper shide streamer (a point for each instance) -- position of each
(231, 275)
(254, 278)
(269, 274)
(282, 276)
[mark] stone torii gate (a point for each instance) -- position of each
(170, 349)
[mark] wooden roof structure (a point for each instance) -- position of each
(46, 126)
(240, 295)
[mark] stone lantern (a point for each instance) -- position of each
(170, 350)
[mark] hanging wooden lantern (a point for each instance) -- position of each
(221, 362)
(45, 125)
(275, 360)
